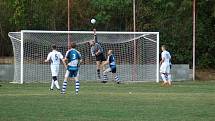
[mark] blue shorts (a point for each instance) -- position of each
(113, 69)
(73, 73)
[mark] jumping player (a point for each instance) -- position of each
(98, 52)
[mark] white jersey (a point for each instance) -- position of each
(54, 57)
(165, 55)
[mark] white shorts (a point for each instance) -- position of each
(165, 68)
(54, 70)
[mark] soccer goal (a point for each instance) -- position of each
(136, 53)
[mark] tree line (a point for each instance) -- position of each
(172, 18)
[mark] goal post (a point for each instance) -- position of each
(139, 62)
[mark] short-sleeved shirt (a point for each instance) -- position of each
(54, 57)
(111, 60)
(73, 57)
(165, 55)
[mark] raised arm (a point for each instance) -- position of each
(95, 36)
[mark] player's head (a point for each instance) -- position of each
(73, 45)
(92, 43)
(163, 47)
(54, 47)
(110, 52)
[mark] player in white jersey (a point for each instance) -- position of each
(54, 57)
(165, 66)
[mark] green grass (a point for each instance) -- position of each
(185, 101)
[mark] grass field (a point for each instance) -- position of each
(185, 101)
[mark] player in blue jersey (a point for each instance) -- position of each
(112, 67)
(73, 60)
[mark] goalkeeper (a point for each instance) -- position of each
(98, 52)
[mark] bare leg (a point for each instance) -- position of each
(103, 68)
(163, 76)
(169, 79)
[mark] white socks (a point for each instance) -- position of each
(169, 78)
(52, 84)
(55, 83)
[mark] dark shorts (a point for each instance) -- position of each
(73, 73)
(113, 69)
(100, 57)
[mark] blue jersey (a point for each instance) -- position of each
(111, 60)
(73, 57)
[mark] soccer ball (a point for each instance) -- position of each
(93, 21)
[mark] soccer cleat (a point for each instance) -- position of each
(119, 82)
(62, 93)
(99, 77)
(104, 82)
(51, 89)
(76, 93)
(163, 84)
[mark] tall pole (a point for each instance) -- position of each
(68, 22)
(135, 48)
(194, 38)
(134, 16)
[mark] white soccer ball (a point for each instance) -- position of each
(93, 21)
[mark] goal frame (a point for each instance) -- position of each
(85, 32)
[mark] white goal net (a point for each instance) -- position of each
(136, 53)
